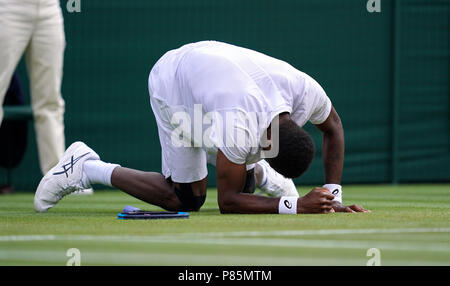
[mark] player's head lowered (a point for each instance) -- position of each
(296, 150)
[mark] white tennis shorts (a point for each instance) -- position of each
(182, 164)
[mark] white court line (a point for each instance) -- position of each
(248, 239)
(228, 234)
(266, 242)
(329, 232)
(27, 237)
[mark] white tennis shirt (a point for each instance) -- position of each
(219, 80)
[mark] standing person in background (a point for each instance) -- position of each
(36, 28)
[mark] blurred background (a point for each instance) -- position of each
(387, 74)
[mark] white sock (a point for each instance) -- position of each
(97, 172)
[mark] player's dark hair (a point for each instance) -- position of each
(296, 150)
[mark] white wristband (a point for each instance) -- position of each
(287, 205)
(336, 191)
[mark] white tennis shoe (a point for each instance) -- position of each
(276, 185)
(64, 178)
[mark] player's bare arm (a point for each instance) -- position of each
(231, 180)
(333, 148)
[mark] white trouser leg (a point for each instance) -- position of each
(16, 27)
(44, 57)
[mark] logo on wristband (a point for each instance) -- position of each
(335, 192)
(288, 204)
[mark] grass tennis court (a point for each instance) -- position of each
(409, 224)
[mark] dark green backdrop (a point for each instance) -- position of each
(387, 74)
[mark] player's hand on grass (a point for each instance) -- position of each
(338, 207)
(319, 200)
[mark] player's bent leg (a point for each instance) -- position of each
(150, 187)
(155, 189)
(80, 167)
(191, 195)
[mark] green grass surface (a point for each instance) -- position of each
(410, 225)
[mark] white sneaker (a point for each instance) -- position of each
(66, 177)
(276, 185)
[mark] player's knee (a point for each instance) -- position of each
(188, 201)
(192, 203)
